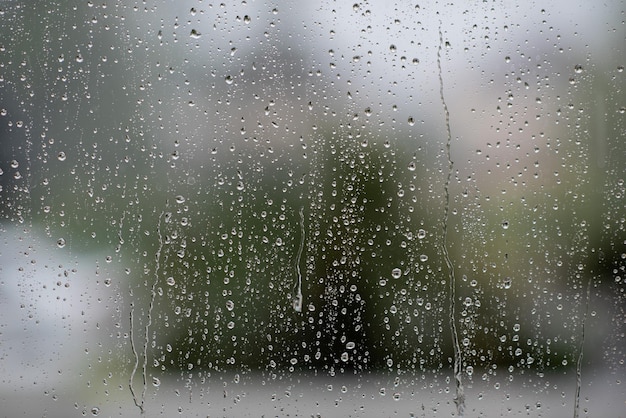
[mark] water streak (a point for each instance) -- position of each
(140, 402)
(136, 366)
(579, 363)
(297, 300)
(459, 398)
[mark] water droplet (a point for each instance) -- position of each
(421, 234)
(350, 345)
(61, 156)
(578, 69)
(246, 19)
(412, 166)
(61, 242)
(156, 382)
(180, 199)
(228, 79)
(505, 225)
(392, 48)
(195, 34)
(411, 121)
(170, 281)
(230, 305)
(396, 273)
(95, 411)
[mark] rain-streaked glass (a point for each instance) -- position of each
(318, 209)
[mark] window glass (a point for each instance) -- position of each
(321, 209)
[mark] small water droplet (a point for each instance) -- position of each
(396, 273)
(412, 166)
(170, 281)
(61, 156)
(61, 242)
(180, 199)
(505, 225)
(95, 411)
(195, 34)
(411, 121)
(156, 382)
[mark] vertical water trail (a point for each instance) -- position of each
(297, 301)
(579, 363)
(459, 398)
(139, 402)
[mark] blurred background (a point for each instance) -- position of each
(257, 194)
